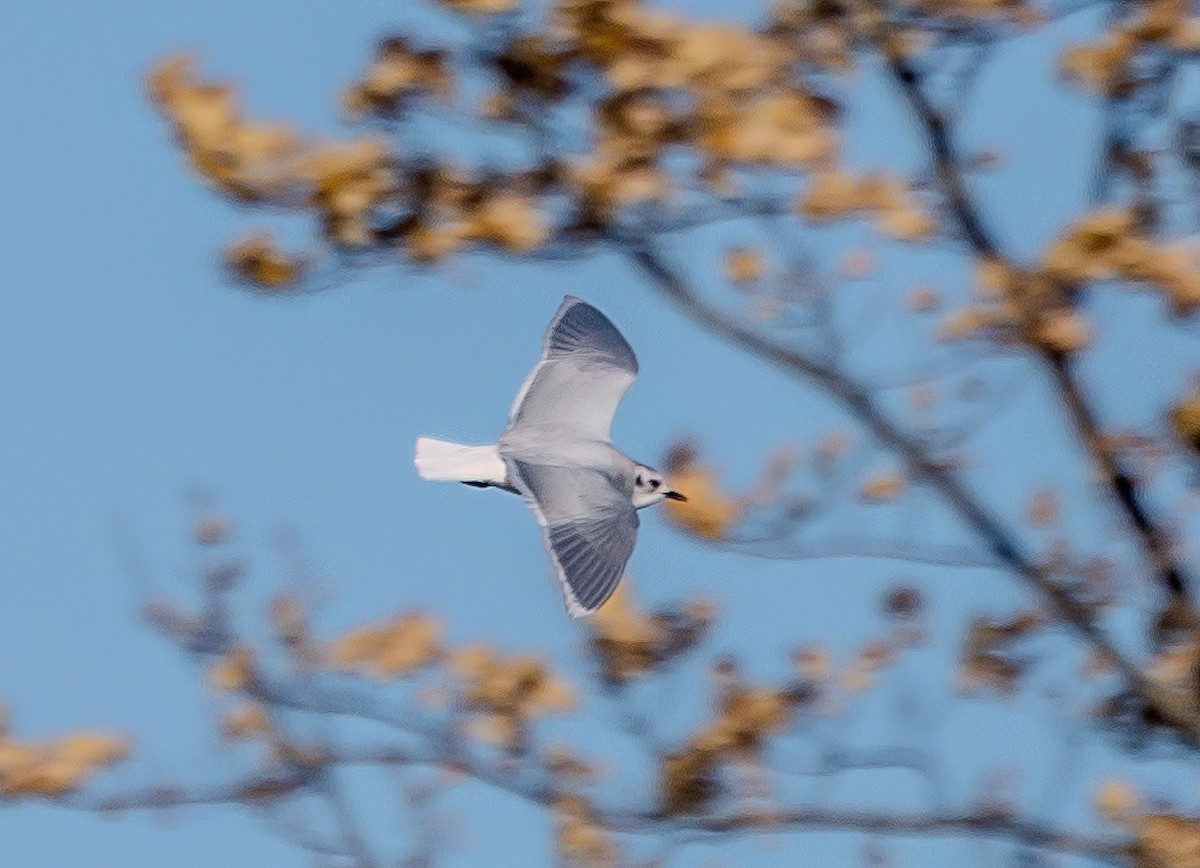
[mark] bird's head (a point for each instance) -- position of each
(649, 487)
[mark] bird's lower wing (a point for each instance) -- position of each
(589, 528)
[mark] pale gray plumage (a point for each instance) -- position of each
(556, 453)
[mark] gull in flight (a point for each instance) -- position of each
(557, 454)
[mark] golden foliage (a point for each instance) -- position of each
(628, 642)
(1166, 841)
(1107, 67)
(246, 160)
(506, 694)
(883, 487)
(397, 73)
(246, 721)
(1109, 243)
(965, 322)
(744, 265)
(345, 182)
(1063, 330)
(256, 260)
(746, 103)
(837, 194)
(578, 839)
(988, 658)
(234, 672)
(510, 221)
(746, 716)
(480, 7)
(709, 512)
(1116, 801)
(258, 162)
(56, 767)
(396, 648)
(1185, 420)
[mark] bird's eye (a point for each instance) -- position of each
(655, 483)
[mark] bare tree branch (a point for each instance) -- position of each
(1154, 541)
(1180, 710)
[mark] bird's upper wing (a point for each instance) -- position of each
(585, 370)
(589, 527)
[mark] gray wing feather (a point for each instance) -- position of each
(588, 525)
(585, 370)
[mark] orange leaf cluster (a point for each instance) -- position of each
(246, 721)
(883, 487)
(1185, 419)
(1116, 801)
(397, 73)
(234, 672)
(1109, 243)
(577, 837)
(629, 642)
(480, 7)
(744, 265)
(456, 211)
(1165, 841)
(746, 716)
(507, 694)
(1107, 67)
(269, 163)
(257, 261)
(731, 93)
(396, 648)
(709, 512)
(988, 657)
(56, 767)
(838, 194)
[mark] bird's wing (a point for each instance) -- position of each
(585, 370)
(589, 527)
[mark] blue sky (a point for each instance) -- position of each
(133, 378)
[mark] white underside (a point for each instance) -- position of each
(442, 461)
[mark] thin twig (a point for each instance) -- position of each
(1181, 711)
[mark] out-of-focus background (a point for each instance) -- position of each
(146, 391)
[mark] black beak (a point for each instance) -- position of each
(674, 495)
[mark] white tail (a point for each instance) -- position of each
(453, 462)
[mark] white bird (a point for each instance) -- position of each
(557, 453)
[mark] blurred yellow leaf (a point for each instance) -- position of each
(883, 487)
(246, 721)
(1185, 419)
(256, 260)
(1115, 800)
(479, 7)
(743, 265)
(1065, 330)
(233, 672)
(395, 648)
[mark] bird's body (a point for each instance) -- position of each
(558, 455)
